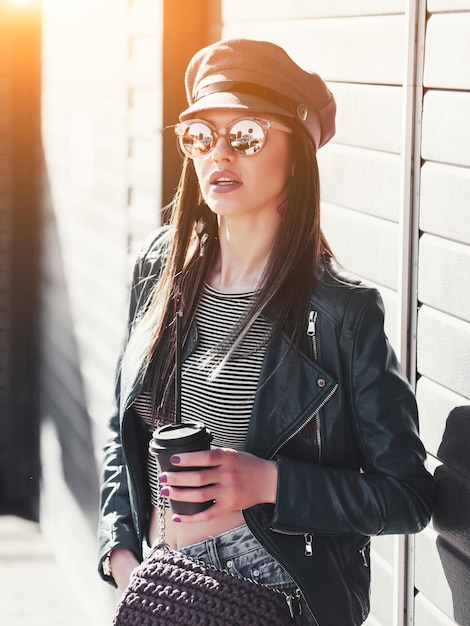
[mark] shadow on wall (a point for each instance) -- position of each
(452, 509)
(61, 388)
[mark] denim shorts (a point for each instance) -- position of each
(237, 551)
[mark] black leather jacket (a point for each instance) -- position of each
(360, 474)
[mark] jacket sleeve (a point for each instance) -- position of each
(116, 527)
(391, 492)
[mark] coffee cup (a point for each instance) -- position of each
(174, 439)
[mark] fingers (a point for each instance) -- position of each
(203, 468)
(203, 458)
(196, 518)
(189, 494)
(190, 478)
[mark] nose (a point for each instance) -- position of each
(222, 150)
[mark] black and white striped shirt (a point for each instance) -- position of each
(220, 396)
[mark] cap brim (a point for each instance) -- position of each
(229, 100)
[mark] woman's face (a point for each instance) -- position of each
(233, 185)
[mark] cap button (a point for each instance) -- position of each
(302, 112)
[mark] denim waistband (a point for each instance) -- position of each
(231, 543)
(240, 553)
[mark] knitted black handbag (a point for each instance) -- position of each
(170, 589)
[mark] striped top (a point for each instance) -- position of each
(219, 395)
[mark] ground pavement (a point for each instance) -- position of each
(33, 588)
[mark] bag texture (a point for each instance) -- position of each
(169, 589)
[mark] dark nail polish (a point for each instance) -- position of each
(162, 478)
(165, 491)
(174, 460)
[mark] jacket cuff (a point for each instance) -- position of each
(292, 511)
(104, 570)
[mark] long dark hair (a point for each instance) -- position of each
(298, 250)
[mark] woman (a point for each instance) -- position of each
(316, 443)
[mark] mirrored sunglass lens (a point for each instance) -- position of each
(197, 139)
(246, 137)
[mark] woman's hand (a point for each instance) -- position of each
(122, 562)
(234, 480)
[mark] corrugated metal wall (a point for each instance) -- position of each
(443, 350)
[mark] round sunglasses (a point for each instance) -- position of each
(245, 136)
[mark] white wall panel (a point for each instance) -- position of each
(448, 51)
(444, 271)
(144, 112)
(435, 403)
(145, 122)
(432, 578)
(368, 116)
(381, 598)
(448, 5)
(446, 120)
(357, 49)
(444, 350)
(144, 216)
(143, 17)
(426, 614)
(365, 245)
(445, 201)
(143, 163)
(363, 180)
(243, 10)
(145, 65)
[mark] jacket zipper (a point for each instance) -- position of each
(362, 552)
(312, 332)
(308, 537)
(308, 547)
(348, 580)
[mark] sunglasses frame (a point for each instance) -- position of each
(265, 125)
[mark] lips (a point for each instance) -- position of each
(224, 179)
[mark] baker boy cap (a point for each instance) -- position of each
(258, 76)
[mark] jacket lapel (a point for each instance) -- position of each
(292, 388)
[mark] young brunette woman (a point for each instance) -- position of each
(315, 431)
